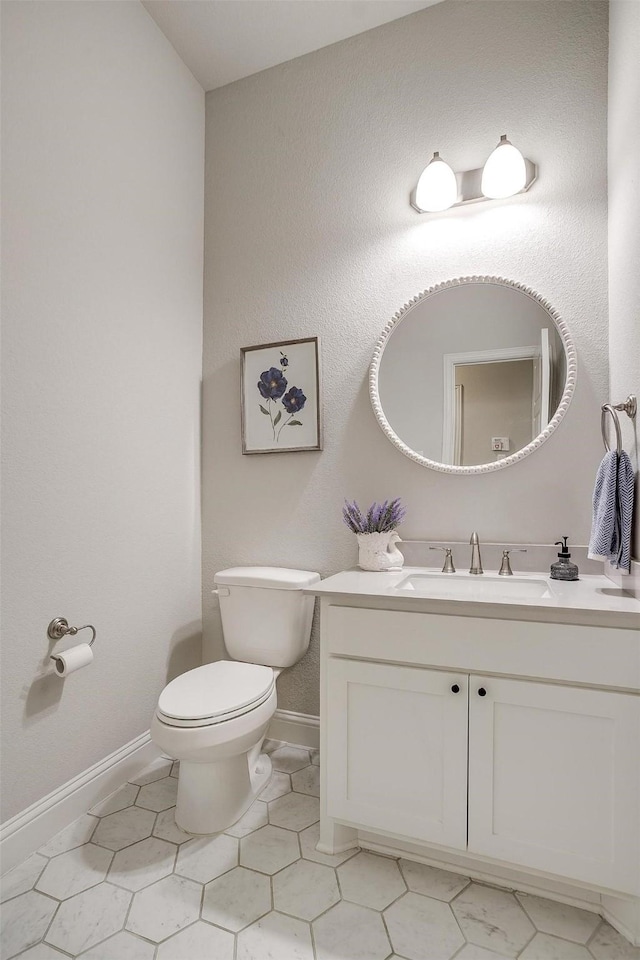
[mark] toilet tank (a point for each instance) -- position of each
(265, 616)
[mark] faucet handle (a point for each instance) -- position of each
(505, 568)
(448, 566)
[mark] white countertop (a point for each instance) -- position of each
(591, 600)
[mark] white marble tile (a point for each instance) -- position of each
(159, 795)
(559, 919)
(471, 951)
(307, 781)
(75, 871)
(423, 929)
(124, 946)
(308, 840)
(23, 877)
(305, 890)
(123, 828)
(432, 882)
(88, 918)
(167, 829)
(165, 907)
(493, 919)
(279, 784)
(142, 863)
(255, 817)
(42, 951)
(77, 833)
(200, 940)
(155, 771)
(275, 937)
(122, 798)
(287, 759)
(175, 769)
(545, 947)
(608, 944)
(350, 932)
(269, 849)
(236, 899)
(371, 881)
(24, 922)
(206, 858)
(269, 746)
(315, 757)
(295, 811)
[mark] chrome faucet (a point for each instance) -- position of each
(476, 559)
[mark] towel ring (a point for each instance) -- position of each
(630, 407)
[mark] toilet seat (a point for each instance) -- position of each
(214, 693)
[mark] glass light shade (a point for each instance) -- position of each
(437, 187)
(504, 172)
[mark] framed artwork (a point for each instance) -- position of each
(280, 391)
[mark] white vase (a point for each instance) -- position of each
(378, 551)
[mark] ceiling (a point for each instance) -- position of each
(226, 40)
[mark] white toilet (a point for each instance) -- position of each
(213, 719)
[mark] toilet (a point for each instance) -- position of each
(214, 719)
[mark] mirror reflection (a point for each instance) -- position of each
(472, 373)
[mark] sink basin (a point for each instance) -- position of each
(459, 586)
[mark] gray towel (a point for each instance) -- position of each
(612, 511)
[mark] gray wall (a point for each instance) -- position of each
(103, 151)
(624, 211)
(309, 231)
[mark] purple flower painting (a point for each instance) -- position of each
(281, 397)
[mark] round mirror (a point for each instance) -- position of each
(472, 375)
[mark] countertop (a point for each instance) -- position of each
(591, 600)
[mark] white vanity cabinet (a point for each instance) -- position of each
(534, 774)
(499, 743)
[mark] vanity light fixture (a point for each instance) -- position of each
(505, 173)
(437, 188)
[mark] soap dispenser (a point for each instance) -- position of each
(563, 569)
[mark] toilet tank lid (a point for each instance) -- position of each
(278, 578)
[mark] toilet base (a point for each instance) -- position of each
(212, 796)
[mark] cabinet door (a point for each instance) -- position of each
(554, 779)
(397, 750)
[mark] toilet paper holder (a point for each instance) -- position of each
(59, 628)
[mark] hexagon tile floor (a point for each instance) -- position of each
(125, 883)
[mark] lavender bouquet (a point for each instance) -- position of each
(379, 518)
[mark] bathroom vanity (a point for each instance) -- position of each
(487, 725)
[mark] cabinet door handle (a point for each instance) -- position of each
(455, 688)
(482, 692)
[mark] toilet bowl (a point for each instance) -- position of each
(214, 719)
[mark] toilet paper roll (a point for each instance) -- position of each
(72, 659)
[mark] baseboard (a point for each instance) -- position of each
(624, 915)
(23, 834)
(302, 728)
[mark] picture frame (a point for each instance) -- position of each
(280, 397)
